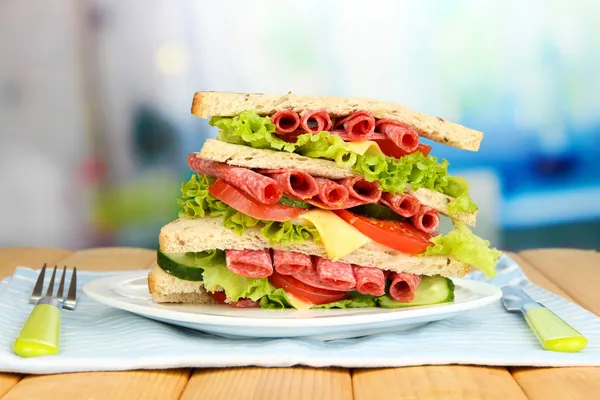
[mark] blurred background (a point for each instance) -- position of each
(95, 102)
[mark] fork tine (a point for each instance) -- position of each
(61, 285)
(39, 286)
(72, 295)
(51, 286)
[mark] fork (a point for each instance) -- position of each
(40, 335)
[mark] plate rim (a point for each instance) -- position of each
(90, 289)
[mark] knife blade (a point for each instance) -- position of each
(553, 333)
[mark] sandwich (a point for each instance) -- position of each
(319, 202)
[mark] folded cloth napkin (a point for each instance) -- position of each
(97, 337)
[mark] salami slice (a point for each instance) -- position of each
(369, 280)
(295, 182)
(331, 193)
(315, 121)
(336, 275)
(403, 136)
(262, 188)
(249, 263)
(290, 262)
(361, 189)
(347, 138)
(286, 121)
(426, 219)
(404, 286)
(310, 276)
(358, 126)
(402, 204)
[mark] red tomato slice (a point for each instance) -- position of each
(241, 303)
(398, 235)
(390, 149)
(248, 205)
(305, 292)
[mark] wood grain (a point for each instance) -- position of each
(537, 277)
(33, 257)
(574, 271)
(559, 383)
(7, 381)
(269, 383)
(147, 385)
(451, 382)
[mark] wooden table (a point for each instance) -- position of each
(569, 273)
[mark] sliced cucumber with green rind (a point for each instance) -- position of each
(180, 271)
(294, 203)
(376, 211)
(432, 290)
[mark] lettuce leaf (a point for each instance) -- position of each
(196, 201)
(394, 175)
(464, 246)
(359, 301)
(278, 300)
(234, 285)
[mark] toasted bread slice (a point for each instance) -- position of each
(166, 288)
(199, 234)
(228, 104)
(248, 157)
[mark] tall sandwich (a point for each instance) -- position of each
(319, 202)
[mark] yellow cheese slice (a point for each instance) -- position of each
(339, 237)
(298, 303)
(364, 146)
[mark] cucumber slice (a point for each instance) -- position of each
(170, 265)
(294, 203)
(432, 290)
(376, 211)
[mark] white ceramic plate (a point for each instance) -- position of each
(129, 292)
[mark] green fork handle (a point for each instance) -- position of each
(40, 334)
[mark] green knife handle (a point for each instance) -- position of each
(40, 334)
(553, 333)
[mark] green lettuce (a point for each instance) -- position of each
(358, 301)
(464, 246)
(278, 300)
(395, 175)
(196, 201)
(234, 285)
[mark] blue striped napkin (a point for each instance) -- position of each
(97, 337)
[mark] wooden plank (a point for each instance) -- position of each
(166, 384)
(33, 257)
(436, 382)
(550, 265)
(574, 271)
(559, 383)
(269, 383)
(148, 385)
(7, 381)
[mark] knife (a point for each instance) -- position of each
(552, 332)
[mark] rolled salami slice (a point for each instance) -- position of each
(369, 280)
(291, 262)
(336, 275)
(262, 188)
(315, 121)
(426, 219)
(404, 205)
(403, 136)
(249, 263)
(358, 126)
(361, 189)
(404, 286)
(295, 182)
(331, 193)
(286, 121)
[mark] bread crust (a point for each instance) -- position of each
(207, 104)
(199, 234)
(248, 157)
(166, 288)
